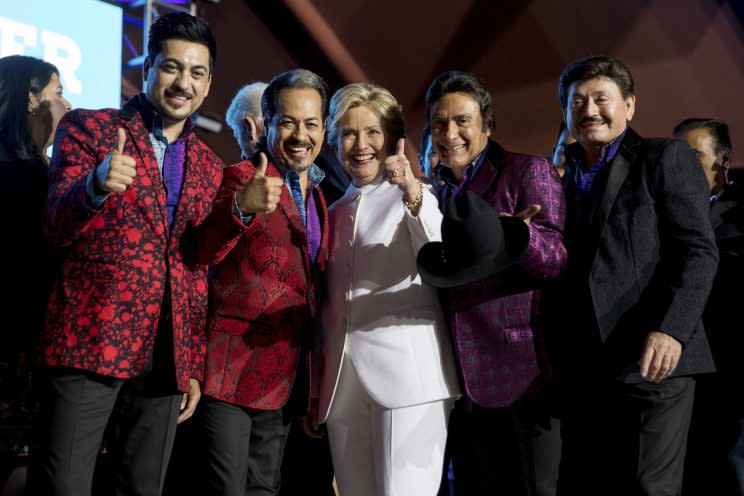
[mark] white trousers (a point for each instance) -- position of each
(385, 452)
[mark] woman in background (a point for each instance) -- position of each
(31, 105)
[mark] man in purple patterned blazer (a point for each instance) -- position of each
(497, 443)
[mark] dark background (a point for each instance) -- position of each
(687, 56)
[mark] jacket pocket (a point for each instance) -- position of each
(235, 326)
(89, 295)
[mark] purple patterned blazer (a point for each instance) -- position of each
(495, 322)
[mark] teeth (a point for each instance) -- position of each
(455, 148)
(297, 149)
(361, 158)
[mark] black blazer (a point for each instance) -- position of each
(722, 316)
(655, 256)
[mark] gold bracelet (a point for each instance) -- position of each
(419, 198)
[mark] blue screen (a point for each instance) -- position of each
(81, 37)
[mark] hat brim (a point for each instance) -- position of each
(443, 274)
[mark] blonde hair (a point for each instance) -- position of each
(377, 99)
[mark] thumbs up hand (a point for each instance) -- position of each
(121, 171)
(261, 194)
(399, 172)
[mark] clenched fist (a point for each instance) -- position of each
(121, 171)
(261, 194)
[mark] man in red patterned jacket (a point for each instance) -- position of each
(267, 236)
(124, 331)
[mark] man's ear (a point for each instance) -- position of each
(253, 130)
(630, 103)
(726, 158)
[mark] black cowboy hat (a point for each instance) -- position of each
(476, 243)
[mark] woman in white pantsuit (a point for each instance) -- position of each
(388, 379)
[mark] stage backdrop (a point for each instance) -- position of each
(81, 37)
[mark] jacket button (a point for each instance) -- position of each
(351, 219)
(351, 243)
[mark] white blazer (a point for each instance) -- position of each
(376, 309)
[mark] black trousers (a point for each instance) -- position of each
(244, 448)
(140, 413)
(513, 451)
(625, 439)
(76, 408)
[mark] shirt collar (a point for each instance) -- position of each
(314, 173)
(154, 123)
(717, 196)
(609, 150)
(445, 174)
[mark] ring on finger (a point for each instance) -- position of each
(394, 173)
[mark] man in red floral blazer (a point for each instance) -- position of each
(124, 331)
(267, 236)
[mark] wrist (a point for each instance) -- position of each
(411, 191)
(414, 196)
(242, 204)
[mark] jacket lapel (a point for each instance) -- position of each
(489, 170)
(288, 207)
(619, 168)
(141, 143)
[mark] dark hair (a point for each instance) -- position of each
(719, 130)
(561, 128)
(460, 82)
(19, 75)
(424, 142)
(595, 66)
(296, 78)
(182, 26)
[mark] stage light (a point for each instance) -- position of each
(208, 123)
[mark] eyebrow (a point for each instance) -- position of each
(180, 64)
(456, 116)
(295, 119)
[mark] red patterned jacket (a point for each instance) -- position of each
(105, 305)
(262, 296)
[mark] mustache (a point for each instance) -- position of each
(186, 94)
(304, 143)
(591, 120)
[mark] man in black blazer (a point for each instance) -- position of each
(641, 263)
(716, 444)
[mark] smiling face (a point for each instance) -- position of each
(596, 112)
(48, 107)
(178, 80)
(361, 145)
(295, 134)
(714, 160)
(458, 132)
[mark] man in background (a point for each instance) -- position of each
(716, 443)
(245, 118)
